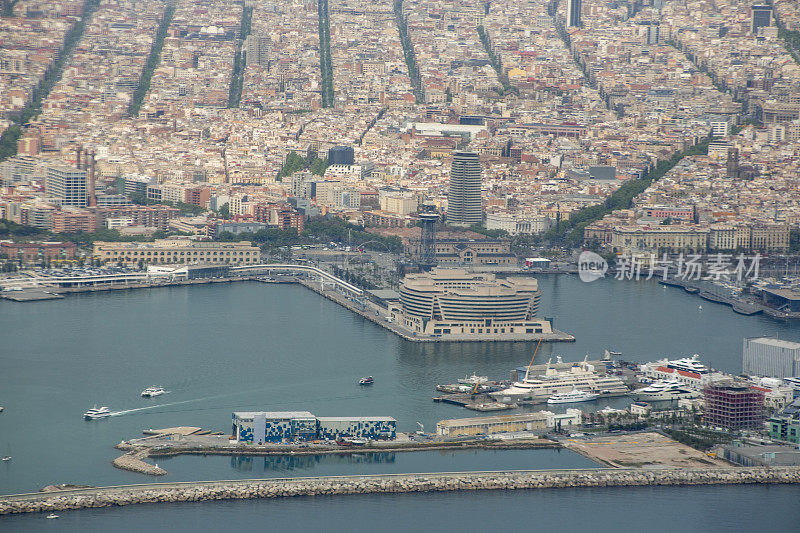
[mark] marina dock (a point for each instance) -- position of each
(30, 295)
(742, 306)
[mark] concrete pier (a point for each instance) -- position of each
(134, 462)
(153, 447)
(377, 315)
(387, 483)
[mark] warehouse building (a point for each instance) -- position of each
(360, 427)
(488, 425)
(771, 357)
(290, 426)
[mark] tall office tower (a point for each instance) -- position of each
(464, 206)
(653, 33)
(573, 13)
(762, 17)
(257, 48)
(67, 183)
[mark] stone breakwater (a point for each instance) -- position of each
(393, 483)
(134, 461)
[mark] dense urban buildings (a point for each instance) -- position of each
(560, 105)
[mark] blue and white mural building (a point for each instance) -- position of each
(290, 426)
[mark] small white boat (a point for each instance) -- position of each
(52, 516)
(97, 412)
(6, 458)
(152, 392)
(573, 396)
(369, 380)
(474, 379)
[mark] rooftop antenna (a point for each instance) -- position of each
(528, 371)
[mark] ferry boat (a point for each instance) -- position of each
(581, 376)
(574, 396)
(665, 390)
(366, 381)
(152, 392)
(97, 412)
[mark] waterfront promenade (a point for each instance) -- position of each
(120, 495)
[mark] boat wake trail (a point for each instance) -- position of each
(151, 407)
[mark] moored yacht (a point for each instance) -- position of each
(688, 364)
(574, 396)
(152, 392)
(665, 390)
(581, 376)
(97, 412)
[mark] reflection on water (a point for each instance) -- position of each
(291, 463)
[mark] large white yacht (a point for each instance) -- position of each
(581, 376)
(97, 412)
(687, 370)
(688, 364)
(574, 396)
(665, 390)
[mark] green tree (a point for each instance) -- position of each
(224, 212)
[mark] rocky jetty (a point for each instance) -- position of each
(280, 488)
(134, 461)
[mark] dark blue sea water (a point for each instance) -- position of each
(250, 346)
(609, 510)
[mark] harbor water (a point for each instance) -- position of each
(249, 346)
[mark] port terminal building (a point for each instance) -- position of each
(455, 303)
(292, 426)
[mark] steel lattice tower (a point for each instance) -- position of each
(427, 245)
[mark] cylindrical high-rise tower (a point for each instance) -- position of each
(464, 206)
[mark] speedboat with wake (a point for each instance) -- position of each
(152, 392)
(96, 413)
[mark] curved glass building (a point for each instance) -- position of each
(454, 302)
